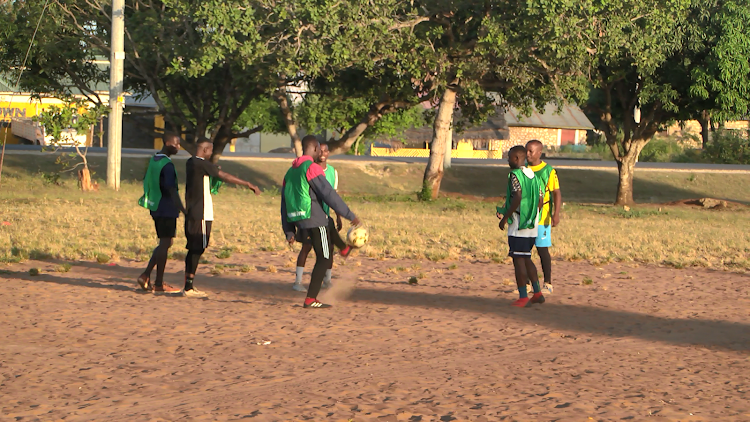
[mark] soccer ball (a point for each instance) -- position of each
(357, 236)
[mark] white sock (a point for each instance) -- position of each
(327, 278)
(300, 271)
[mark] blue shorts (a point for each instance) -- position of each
(544, 237)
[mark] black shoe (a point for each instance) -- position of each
(317, 305)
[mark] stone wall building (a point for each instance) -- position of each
(569, 127)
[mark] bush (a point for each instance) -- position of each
(661, 151)
(728, 147)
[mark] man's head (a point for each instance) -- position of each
(517, 157)
(534, 152)
(171, 144)
(311, 147)
(323, 156)
(204, 148)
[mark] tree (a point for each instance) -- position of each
(200, 85)
(355, 118)
(656, 62)
(79, 116)
(718, 90)
(528, 52)
(362, 54)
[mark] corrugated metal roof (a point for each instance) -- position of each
(571, 117)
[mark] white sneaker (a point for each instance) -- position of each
(194, 293)
(327, 284)
(299, 287)
(548, 289)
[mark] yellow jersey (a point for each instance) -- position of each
(553, 184)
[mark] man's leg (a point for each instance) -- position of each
(519, 266)
(338, 242)
(301, 259)
(321, 243)
(161, 253)
(198, 234)
(546, 259)
(543, 243)
(192, 259)
(525, 270)
(166, 229)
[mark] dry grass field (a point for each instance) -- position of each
(49, 221)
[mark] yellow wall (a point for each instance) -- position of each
(422, 152)
(8, 136)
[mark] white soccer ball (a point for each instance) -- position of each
(357, 236)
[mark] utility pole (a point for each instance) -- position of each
(116, 64)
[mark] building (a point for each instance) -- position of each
(553, 129)
(497, 135)
(140, 119)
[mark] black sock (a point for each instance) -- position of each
(188, 284)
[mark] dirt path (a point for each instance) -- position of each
(637, 342)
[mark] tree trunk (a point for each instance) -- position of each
(220, 142)
(84, 180)
(433, 174)
(704, 120)
(291, 124)
(626, 170)
(101, 132)
(375, 113)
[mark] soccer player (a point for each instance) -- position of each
(521, 214)
(200, 208)
(550, 216)
(160, 196)
(333, 178)
(305, 190)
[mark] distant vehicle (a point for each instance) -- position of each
(33, 132)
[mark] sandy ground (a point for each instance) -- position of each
(638, 342)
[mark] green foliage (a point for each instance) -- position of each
(76, 114)
(728, 147)
(262, 112)
(661, 151)
(102, 258)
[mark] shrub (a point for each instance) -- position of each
(728, 147)
(661, 151)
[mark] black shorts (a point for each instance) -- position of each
(198, 233)
(520, 247)
(166, 227)
(303, 236)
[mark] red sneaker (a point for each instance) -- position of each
(346, 251)
(537, 298)
(521, 303)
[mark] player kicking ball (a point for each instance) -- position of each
(305, 191)
(200, 208)
(521, 215)
(333, 178)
